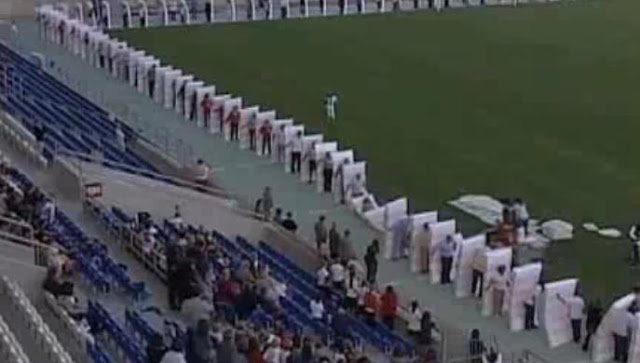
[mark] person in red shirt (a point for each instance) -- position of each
(265, 132)
(233, 119)
(206, 104)
(371, 305)
(388, 307)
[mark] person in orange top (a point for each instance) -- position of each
(233, 119)
(206, 104)
(389, 307)
(371, 305)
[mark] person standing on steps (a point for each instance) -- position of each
(296, 153)
(265, 132)
(371, 261)
(206, 105)
(575, 305)
(327, 172)
(310, 157)
(233, 119)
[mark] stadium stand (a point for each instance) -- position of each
(300, 284)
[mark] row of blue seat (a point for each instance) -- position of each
(70, 121)
(101, 320)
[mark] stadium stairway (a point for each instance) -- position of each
(238, 171)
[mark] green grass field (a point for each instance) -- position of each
(541, 102)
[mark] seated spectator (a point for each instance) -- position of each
(71, 305)
(371, 305)
(427, 326)
(352, 284)
(289, 224)
(317, 309)
(254, 354)
(414, 320)
(277, 216)
(54, 285)
(196, 308)
(227, 350)
(155, 349)
(175, 354)
(273, 354)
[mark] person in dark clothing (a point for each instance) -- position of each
(155, 349)
(371, 261)
(334, 240)
(426, 328)
(53, 285)
(207, 11)
(289, 224)
(476, 347)
(173, 253)
(151, 79)
(39, 132)
(327, 173)
(194, 107)
(594, 316)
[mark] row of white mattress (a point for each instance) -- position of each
(38, 329)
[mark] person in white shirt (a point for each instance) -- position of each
(48, 211)
(330, 104)
(322, 276)
(498, 283)
(202, 173)
(337, 275)
(296, 153)
(317, 309)
(575, 306)
(274, 352)
(173, 356)
(356, 188)
(352, 284)
(414, 320)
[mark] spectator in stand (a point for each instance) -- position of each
(388, 307)
(267, 203)
(151, 80)
(476, 347)
(521, 215)
(273, 353)
(311, 158)
(254, 354)
(266, 131)
(337, 274)
(39, 132)
(371, 305)
(196, 308)
(353, 291)
(320, 231)
(498, 284)
(427, 326)
(155, 349)
(289, 224)
(200, 346)
(277, 216)
(334, 240)
(323, 276)
(317, 309)
(175, 354)
(48, 212)
(227, 350)
(233, 119)
(371, 261)
(414, 320)
(206, 105)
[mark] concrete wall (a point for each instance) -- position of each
(17, 8)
